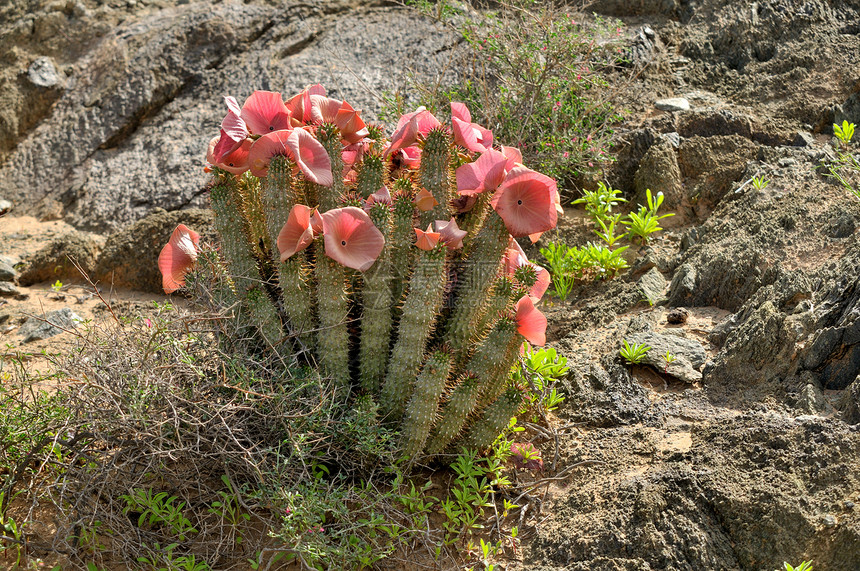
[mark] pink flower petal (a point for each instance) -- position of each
(410, 127)
(460, 111)
(526, 202)
(513, 155)
(177, 258)
(237, 161)
(380, 196)
(271, 145)
(310, 156)
(296, 235)
(451, 234)
(351, 239)
(531, 323)
(352, 127)
(486, 173)
(426, 239)
(233, 105)
(411, 157)
(264, 112)
(316, 223)
(300, 105)
(464, 204)
(425, 200)
(471, 136)
(516, 257)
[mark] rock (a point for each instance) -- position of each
(652, 285)
(849, 403)
(658, 171)
(677, 316)
(54, 323)
(804, 139)
(710, 123)
(786, 162)
(148, 93)
(54, 261)
(43, 73)
(9, 290)
(848, 111)
(130, 256)
(713, 163)
(643, 47)
(811, 400)
(7, 272)
(5, 207)
(842, 226)
(672, 104)
(688, 349)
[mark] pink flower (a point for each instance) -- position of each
(148, 322)
(177, 258)
(467, 134)
(484, 174)
(451, 233)
(236, 161)
(308, 153)
(300, 106)
(516, 258)
(380, 196)
(297, 234)
(264, 112)
(426, 239)
(531, 323)
(526, 202)
(233, 131)
(351, 239)
(410, 127)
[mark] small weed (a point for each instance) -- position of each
(805, 566)
(668, 358)
(158, 509)
(540, 371)
(635, 353)
(759, 182)
(846, 168)
(644, 222)
(57, 286)
(599, 203)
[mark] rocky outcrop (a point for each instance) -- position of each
(127, 129)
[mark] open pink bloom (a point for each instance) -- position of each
(467, 134)
(300, 105)
(451, 233)
(515, 258)
(426, 239)
(311, 157)
(264, 112)
(341, 115)
(526, 202)
(410, 126)
(411, 157)
(531, 323)
(177, 258)
(351, 239)
(484, 174)
(297, 234)
(308, 153)
(425, 200)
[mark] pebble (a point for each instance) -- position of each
(8, 290)
(5, 206)
(43, 73)
(849, 505)
(677, 316)
(828, 520)
(672, 104)
(786, 162)
(7, 272)
(804, 139)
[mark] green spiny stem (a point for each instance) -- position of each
(461, 402)
(402, 251)
(421, 410)
(420, 309)
(499, 302)
(333, 307)
(371, 175)
(278, 199)
(481, 268)
(493, 420)
(230, 226)
(250, 189)
(494, 377)
(378, 304)
(331, 196)
(434, 174)
(265, 317)
(475, 217)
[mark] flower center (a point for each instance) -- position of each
(271, 127)
(519, 202)
(343, 242)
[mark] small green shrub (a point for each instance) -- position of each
(805, 566)
(846, 168)
(599, 203)
(635, 353)
(644, 222)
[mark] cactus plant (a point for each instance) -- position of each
(390, 264)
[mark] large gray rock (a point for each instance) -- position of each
(54, 323)
(60, 259)
(659, 172)
(130, 130)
